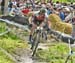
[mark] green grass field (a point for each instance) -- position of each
(56, 53)
(10, 43)
(60, 0)
(4, 58)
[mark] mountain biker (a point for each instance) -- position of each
(37, 19)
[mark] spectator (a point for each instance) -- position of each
(14, 11)
(48, 7)
(61, 13)
(10, 5)
(25, 11)
(57, 5)
(68, 15)
(14, 2)
(73, 25)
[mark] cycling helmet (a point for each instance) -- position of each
(42, 11)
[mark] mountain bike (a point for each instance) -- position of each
(39, 33)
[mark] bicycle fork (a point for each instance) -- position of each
(35, 43)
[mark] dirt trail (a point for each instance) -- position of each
(24, 55)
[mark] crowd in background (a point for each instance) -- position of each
(23, 7)
(26, 6)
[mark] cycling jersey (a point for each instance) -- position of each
(25, 11)
(39, 17)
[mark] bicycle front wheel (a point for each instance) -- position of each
(37, 41)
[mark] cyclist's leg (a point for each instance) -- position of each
(32, 30)
(41, 24)
(34, 34)
(48, 27)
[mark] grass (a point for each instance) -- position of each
(60, 0)
(10, 43)
(2, 27)
(57, 53)
(4, 58)
(64, 1)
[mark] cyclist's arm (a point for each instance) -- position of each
(30, 19)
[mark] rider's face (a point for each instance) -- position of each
(42, 13)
